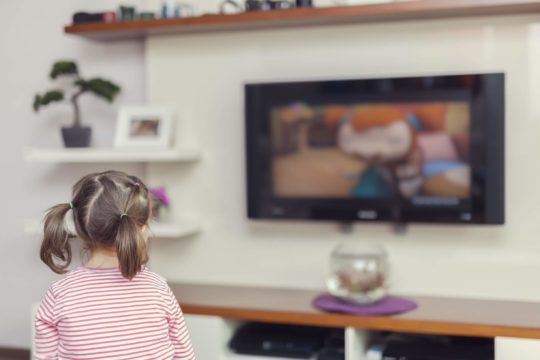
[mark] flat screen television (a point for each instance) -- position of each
(407, 149)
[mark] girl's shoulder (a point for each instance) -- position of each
(149, 275)
(66, 279)
(82, 276)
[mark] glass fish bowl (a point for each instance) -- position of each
(358, 273)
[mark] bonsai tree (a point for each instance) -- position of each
(102, 88)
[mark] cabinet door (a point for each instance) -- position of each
(516, 349)
(208, 334)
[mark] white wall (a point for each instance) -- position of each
(202, 76)
(31, 38)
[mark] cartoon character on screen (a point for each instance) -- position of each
(384, 138)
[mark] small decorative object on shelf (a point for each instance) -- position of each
(147, 15)
(256, 5)
(145, 127)
(86, 17)
(124, 13)
(363, 2)
(358, 273)
(127, 13)
(184, 10)
(160, 201)
(281, 4)
(304, 3)
(75, 135)
(109, 16)
(230, 7)
(173, 9)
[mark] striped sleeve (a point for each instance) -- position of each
(178, 331)
(46, 336)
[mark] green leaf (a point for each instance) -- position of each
(37, 102)
(64, 68)
(103, 88)
(47, 98)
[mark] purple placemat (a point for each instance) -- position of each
(389, 305)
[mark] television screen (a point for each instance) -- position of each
(406, 149)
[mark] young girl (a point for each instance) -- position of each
(113, 307)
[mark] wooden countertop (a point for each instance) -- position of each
(435, 315)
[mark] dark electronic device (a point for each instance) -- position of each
(292, 341)
(402, 149)
(431, 350)
(334, 346)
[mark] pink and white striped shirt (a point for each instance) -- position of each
(99, 314)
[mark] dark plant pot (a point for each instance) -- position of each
(75, 136)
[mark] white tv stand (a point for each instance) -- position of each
(213, 312)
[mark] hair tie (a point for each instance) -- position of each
(137, 184)
(122, 215)
(71, 205)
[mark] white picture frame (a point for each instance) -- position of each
(148, 127)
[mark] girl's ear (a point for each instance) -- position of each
(145, 232)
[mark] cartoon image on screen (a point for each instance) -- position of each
(416, 151)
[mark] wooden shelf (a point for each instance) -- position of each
(435, 315)
(109, 155)
(398, 11)
(157, 230)
(174, 231)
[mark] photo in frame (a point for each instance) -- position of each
(145, 127)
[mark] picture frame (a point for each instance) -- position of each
(149, 127)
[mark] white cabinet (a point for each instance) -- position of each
(210, 335)
(516, 349)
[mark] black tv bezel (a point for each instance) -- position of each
(486, 95)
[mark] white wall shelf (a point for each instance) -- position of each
(157, 230)
(174, 231)
(109, 155)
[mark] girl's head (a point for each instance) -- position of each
(110, 212)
